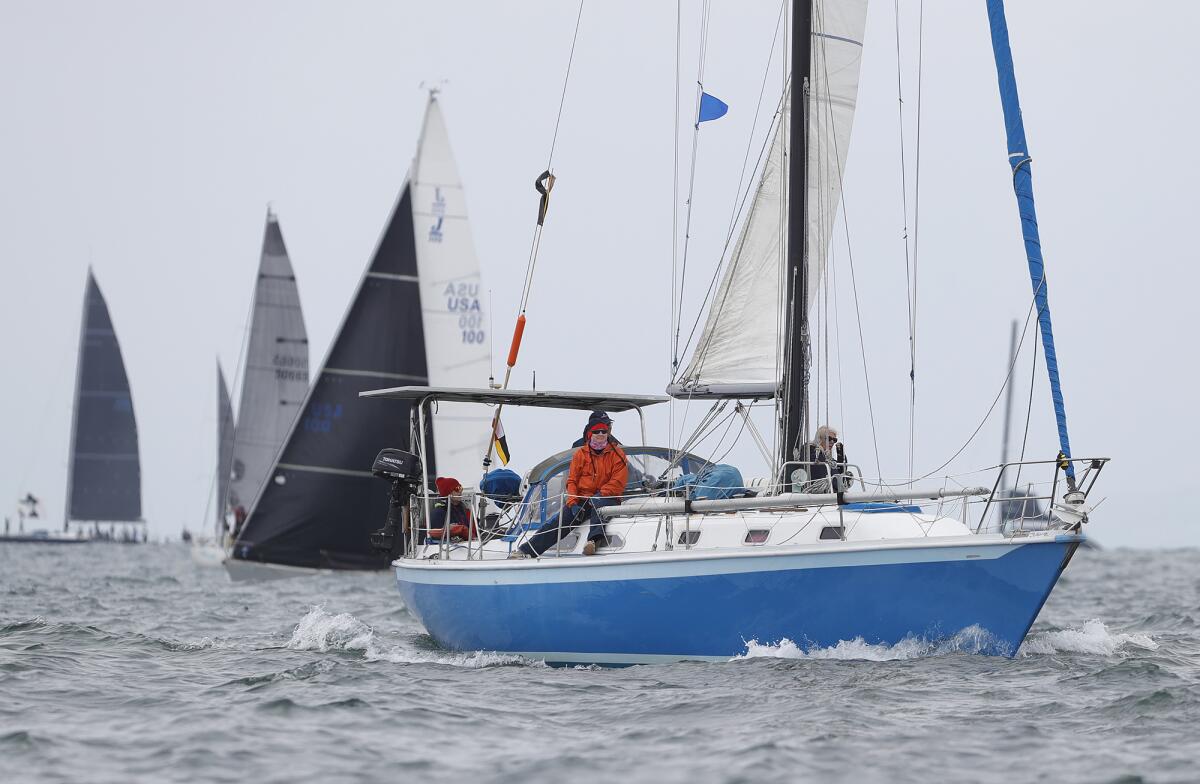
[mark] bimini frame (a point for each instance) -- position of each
(422, 397)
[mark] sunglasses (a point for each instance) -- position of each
(831, 439)
(599, 432)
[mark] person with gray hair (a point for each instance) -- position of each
(824, 464)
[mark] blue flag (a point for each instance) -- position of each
(711, 108)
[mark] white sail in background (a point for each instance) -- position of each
(275, 379)
(741, 341)
(452, 302)
(225, 431)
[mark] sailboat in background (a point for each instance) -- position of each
(416, 317)
(104, 475)
(274, 382)
(225, 438)
(275, 376)
(208, 551)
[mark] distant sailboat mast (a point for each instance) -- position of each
(225, 435)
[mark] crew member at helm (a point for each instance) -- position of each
(597, 479)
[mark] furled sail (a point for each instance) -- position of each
(452, 306)
(739, 353)
(104, 475)
(275, 378)
(320, 502)
(225, 432)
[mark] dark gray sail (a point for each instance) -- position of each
(104, 475)
(224, 450)
(275, 376)
(319, 502)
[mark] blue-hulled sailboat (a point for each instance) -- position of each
(688, 573)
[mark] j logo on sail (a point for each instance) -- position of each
(439, 212)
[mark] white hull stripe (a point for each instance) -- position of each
(693, 564)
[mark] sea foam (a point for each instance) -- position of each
(972, 639)
(1093, 637)
(322, 631)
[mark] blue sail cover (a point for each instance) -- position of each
(1019, 159)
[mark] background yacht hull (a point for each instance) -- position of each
(607, 610)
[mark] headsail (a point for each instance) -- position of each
(740, 349)
(453, 311)
(320, 502)
(225, 432)
(104, 475)
(275, 378)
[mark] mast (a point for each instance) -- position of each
(1008, 393)
(795, 379)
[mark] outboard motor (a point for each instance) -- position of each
(403, 470)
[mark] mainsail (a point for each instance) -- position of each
(320, 503)
(275, 378)
(225, 433)
(452, 307)
(739, 353)
(104, 475)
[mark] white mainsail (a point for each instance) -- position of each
(275, 378)
(452, 303)
(741, 342)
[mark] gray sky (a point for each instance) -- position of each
(147, 139)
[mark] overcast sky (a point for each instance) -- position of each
(147, 139)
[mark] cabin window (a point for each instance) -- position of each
(832, 532)
(757, 536)
(689, 537)
(615, 542)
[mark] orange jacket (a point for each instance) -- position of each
(601, 474)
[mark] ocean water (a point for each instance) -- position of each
(132, 663)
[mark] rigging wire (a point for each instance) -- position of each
(544, 185)
(535, 243)
(908, 299)
(912, 414)
(672, 328)
(687, 222)
(741, 197)
(862, 345)
(1028, 410)
(1007, 380)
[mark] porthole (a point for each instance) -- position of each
(689, 537)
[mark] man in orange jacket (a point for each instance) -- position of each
(597, 478)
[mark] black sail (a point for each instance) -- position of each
(104, 475)
(319, 502)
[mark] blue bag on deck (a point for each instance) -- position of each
(501, 483)
(714, 482)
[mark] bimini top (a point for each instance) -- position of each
(584, 401)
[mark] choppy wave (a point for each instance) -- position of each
(322, 631)
(973, 639)
(1093, 637)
